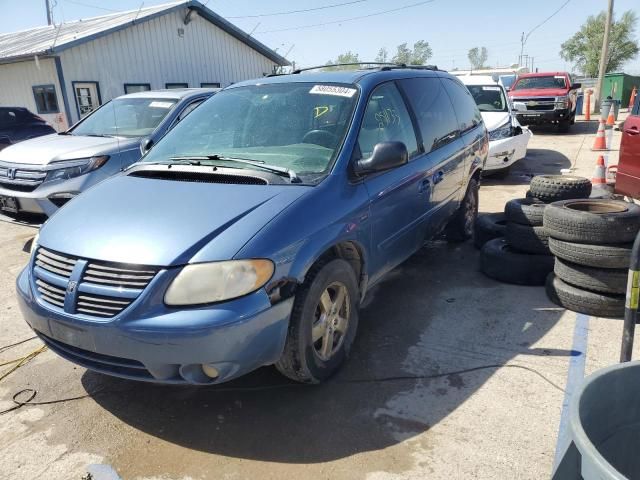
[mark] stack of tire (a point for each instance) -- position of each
(591, 240)
(515, 245)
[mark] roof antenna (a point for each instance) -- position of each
(135, 18)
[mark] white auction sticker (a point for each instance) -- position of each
(161, 104)
(333, 90)
(493, 89)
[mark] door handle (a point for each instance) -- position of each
(424, 185)
(437, 177)
(632, 131)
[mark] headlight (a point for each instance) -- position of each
(503, 131)
(562, 102)
(74, 168)
(214, 282)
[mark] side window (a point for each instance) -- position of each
(433, 110)
(636, 106)
(386, 119)
(8, 117)
(188, 109)
(464, 105)
(46, 99)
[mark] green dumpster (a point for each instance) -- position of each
(618, 86)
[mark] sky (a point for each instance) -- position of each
(451, 27)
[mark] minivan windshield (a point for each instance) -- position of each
(489, 98)
(126, 117)
(295, 126)
(552, 81)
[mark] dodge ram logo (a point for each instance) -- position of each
(72, 287)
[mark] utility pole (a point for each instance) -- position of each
(48, 7)
(521, 49)
(604, 54)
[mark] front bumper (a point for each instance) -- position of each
(151, 342)
(535, 117)
(507, 151)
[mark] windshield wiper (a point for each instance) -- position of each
(282, 171)
(96, 135)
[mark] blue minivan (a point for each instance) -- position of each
(251, 233)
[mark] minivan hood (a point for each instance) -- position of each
(163, 222)
(493, 120)
(538, 92)
(54, 148)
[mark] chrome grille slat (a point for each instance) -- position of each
(97, 266)
(112, 284)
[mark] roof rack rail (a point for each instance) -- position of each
(383, 66)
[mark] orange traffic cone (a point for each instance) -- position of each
(632, 98)
(599, 173)
(611, 121)
(600, 143)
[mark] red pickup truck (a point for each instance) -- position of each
(545, 98)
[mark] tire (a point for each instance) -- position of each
(603, 280)
(552, 188)
(600, 256)
(584, 301)
(593, 221)
(529, 196)
(462, 225)
(500, 262)
(488, 227)
(524, 211)
(528, 239)
(300, 360)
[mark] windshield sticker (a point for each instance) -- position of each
(492, 89)
(333, 90)
(319, 111)
(161, 104)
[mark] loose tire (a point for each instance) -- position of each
(462, 225)
(527, 239)
(500, 262)
(525, 211)
(593, 221)
(584, 301)
(605, 280)
(488, 227)
(552, 188)
(601, 256)
(322, 326)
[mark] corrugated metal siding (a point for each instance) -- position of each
(152, 52)
(16, 80)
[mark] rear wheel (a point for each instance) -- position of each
(323, 323)
(461, 226)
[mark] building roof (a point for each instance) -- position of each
(51, 39)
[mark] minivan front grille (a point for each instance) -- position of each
(104, 289)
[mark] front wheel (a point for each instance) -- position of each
(323, 323)
(461, 226)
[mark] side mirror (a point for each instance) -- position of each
(508, 89)
(386, 155)
(519, 107)
(576, 86)
(146, 145)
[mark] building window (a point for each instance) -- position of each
(176, 85)
(46, 99)
(136, 87)
(210, 85)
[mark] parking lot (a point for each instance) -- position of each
(453, 375)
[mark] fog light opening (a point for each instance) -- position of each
(59, 199)
(210, 371)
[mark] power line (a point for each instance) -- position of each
(348, 19)
(92, 6)
(546, 20)
(324, 7)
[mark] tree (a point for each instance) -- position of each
(347, 57)
(420, 53)
(583, 49)
(383, 56)
(478, 57)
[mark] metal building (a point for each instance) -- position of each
(64, 71)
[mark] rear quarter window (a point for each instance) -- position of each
(433, 110)
(464, 105)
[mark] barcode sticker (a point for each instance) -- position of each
(333, 90)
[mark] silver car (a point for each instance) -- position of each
(42, 174)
